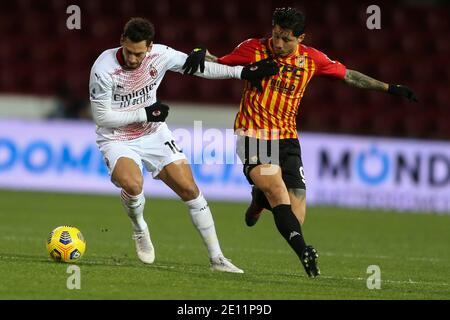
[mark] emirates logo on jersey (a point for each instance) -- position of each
(153, 72)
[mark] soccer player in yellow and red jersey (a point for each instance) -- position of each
(266, 122)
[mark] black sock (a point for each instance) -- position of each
(289, 227)
(260, 199)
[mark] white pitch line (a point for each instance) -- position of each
(90, 261)
(351, 255)
(389, 281)
(346, 255)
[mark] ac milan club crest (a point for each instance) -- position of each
(153, 72)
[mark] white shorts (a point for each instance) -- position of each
(155, 150)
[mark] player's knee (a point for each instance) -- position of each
(275, 193)
(189, 192)
(132, 186)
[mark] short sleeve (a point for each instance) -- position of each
(326, 66)
(176, 60)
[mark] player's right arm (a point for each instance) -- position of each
(100, 92)
(242, 55)
(254, 73)
(210, 57)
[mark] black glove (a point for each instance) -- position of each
(255, 72)
(402, 91)
(157, 112)
(195, 59)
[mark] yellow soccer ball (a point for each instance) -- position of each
(66, 244)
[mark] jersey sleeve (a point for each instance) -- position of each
(176, 60)
(212, 70)
(242, 55)
(100, 92)
(326, 66)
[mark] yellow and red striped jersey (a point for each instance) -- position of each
(272, 114)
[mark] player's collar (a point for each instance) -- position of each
(119, 57)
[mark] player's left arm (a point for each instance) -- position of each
(242, 55)
(326, 66)
(254, 72)
(359, 80)
(209, 70)
(212, 70)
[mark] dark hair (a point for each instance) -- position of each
(290, 18)
(139, 29)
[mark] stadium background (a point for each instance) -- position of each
(39, 54)
(45, 70)
(44, 96)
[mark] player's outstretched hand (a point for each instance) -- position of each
(255, 72)
(402, 91)
(194, 60)
(157, 112)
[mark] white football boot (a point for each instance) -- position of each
(144, 246)
(220, 263)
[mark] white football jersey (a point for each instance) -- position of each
(118, 96)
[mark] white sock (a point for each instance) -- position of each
(134, 206)
(202, 219)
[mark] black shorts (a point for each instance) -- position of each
(254, 152)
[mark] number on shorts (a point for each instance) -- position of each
(302, 174)
(171, 144)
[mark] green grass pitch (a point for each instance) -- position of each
(412, 251)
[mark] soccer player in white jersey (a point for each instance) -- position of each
(131, 130)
